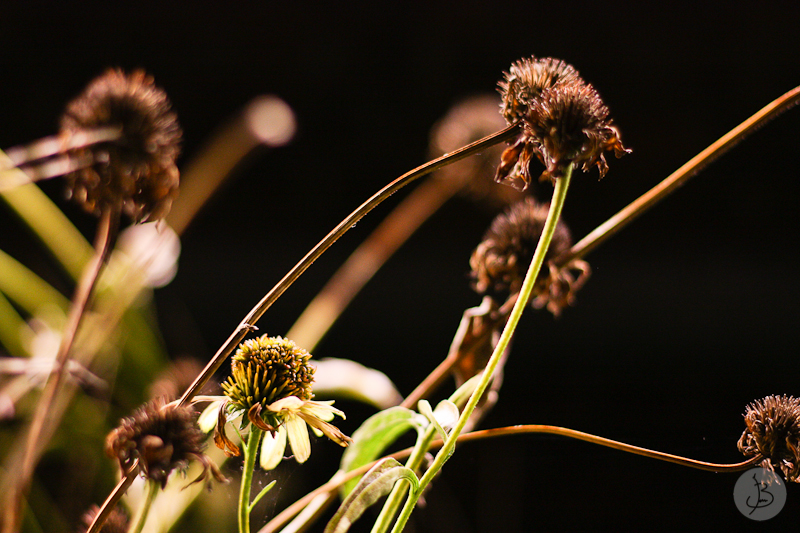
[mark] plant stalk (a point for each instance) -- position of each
(557, 203)
(250, 450)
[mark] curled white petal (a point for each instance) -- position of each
(323, 410)
(272, 449)
(298, 438)
(208, 418)
(291, 404)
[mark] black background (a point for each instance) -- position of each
(690, 312)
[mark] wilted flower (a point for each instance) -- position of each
(773, 432)
(135, 174)
(501, 260)
(564, 122)
(271, 384)
(163, 437)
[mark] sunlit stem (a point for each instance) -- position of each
(557, 203)
(250, 451)
(266, 302)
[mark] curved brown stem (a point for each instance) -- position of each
(608, 443)
(43, 425)
(266, 302)
(679, 177)
(341, 477)
(370, 255)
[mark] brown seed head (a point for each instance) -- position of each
(525, 81)
(773, 431)
(162, 437)
(570, 125)
(500, 262)
(135, 174)
(564, 122)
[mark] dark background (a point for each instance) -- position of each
(690, 313)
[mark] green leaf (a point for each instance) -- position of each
(376, 434)
(376, 483)
(261, 494)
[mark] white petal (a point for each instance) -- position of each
(446, 414)
(208, 418)
(290, 403)
(322, 410)
(272, 449)
(298, 438)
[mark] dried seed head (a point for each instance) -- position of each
(773, 431)
(135, 174)
(163, 437)
(564, 122)
(525, 81)
(265, 370)
(117, 521)
(500, 262)
(570, 124)
(467, 121)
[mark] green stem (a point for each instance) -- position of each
(398, 493)
(151, 491)
(250, 450)
(559, 195)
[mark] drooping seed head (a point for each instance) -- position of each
(570, 125)
(773, 432)
(136, 173)
(500, 261)
(163, 437)
(564, 122)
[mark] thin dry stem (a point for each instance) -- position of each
(341, 478)
(258, 311)
(679, 177)
(368, 258)
(113, 499)
(44, 424)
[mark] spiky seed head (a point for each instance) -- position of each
(773, 431)
(136, 173)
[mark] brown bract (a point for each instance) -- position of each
(564, 122)
(135, 174)
(163, 437)
(773, 432)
